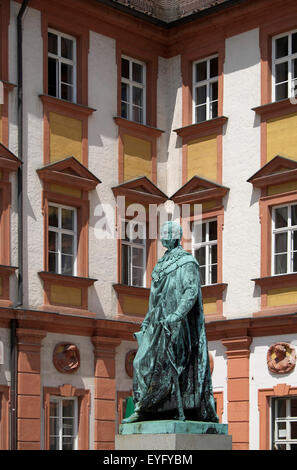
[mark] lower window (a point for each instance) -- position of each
(63, 423)
(284, 423)
(205, 251)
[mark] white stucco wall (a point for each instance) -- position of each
(124, 382)
(219, 374)
(241, 158)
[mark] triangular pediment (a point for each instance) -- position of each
(7, 159)
(71, 172)
(278, 170)
(199, 189)
(140, 189)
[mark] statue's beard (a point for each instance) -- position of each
(170, 244)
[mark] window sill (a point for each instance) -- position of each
(67, 279)
(213, 290)
(275, 109)
(279, 280)
(137, 127)
(202, 128)
(132, 290)
(64, 104)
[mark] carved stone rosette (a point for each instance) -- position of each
(281, 358)
(66, 358)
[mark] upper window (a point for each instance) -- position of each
(63, 423)
(62, 239)
(284, 239)
(133, 90)
(205, 251)
(284, 66)
(284, 433)
(61, 65)
(205, 89)
(133, 254)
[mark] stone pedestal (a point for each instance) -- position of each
(173, 435)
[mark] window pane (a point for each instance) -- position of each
(52, 43)
(138, 233)
(67, 264)
(281, 72)
(52, 241)
(202, 275)
(281, 431)
(281, 91)
(68, 219)
(200, 255)
(137, 96)
(281, 47)
(136, 114)
(125, 92)
(125, 68)
(68, 427)
(53, 220)
(293, 407)
(212, 230)
(293, 215)
(214, 274)
(53, 262)
(137, 277)
(54, 426)
(67, 244)
(125, 264)
(214, 91)
(214, 257)
(214, 109)
(67, 73)
(54, 443)
(137, 257)
(52, 77)
(293, 430)
(281, 217)
(295, 261)
(67, 48)
(124, 110)
(54, 408)
(294, 68)
(294, 43)
(137, 72)
(281, 408)
(201, 113)
(280, 264)
(214, 67)
(200, 94)
(68, 408)
(67, 443)
(201, 71)
(204, 232)
(67, 92)
(281, 244)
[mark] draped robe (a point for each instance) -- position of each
(171, 352)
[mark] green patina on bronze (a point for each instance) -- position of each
(173, 427)
(171, 377)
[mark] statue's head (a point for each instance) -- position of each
(171, 234)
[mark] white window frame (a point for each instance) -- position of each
(132, 84)
(289, 229)
(287, 420)
(61, 231)
(59, 400)
(207, 244)
(206, 82)
(132, 244)
(59, 59)
(289, 58)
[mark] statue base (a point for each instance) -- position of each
(173, 435)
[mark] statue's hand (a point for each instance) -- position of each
(173, 318)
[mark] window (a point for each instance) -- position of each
(284, 66)
(205, 251)
(284, 239)
(205, 89)
(61, 65)
(63, 423)
(284, 432)
(133, 254)
(133, 90)
(62, 239)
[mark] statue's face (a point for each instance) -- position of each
(170, 235)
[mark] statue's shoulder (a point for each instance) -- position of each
(171, 262)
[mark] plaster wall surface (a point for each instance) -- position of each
(219, 374)
(241, 158)
(261, 377)
(124, 382)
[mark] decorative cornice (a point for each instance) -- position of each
(141, 190)
(275, 109)
(280, 280)
(198, 190)
(213, 290)
(278, 170)
(213, 126)
(144, 129)
(132, 290)
(64, 104)
(67, 280)
(8, 160)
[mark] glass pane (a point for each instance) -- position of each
(137, 257)
(281, 431)
(295, 261)
(214, 109)
(293, 430)
(67, 244)
(53, 43)
(200, 94)
(213, 251)
(214, 63)
(293, 215)
(280, 446)
(281, 91)
(294, 235)
(293, 407)
(137, 72)
(201, 113)
(67, 92)
(137, 94)
(52, 241)
(53, 218)
(52, 77)
(125, 264)
(67, 48)
(53, 262)
(68, 219)
(204, 232)
(68, 408)
(280, 264)
(201, 255)
(197, 228)
(137, 233)
(281, 47)
(281, 408)
(54, 443)
(54, 408)
(214, 274)
(212, 230)
(281, 217)
(125, 68)
(67, 264)
(214, 91)
(67, 73)
(280, 245)
(201, 71)
(124, 110)
(294, 68)
(68, 427)
(136, 114)
(67, 443)
(54, 426)
(202, 275)
(137, 277)
(294, 43)
(125, 92)
(281, 72)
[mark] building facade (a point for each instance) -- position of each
(150, 103)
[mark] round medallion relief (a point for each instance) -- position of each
(66, 357)
(129, 362)
(281, 358)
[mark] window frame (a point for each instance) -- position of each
(61, 231)
(289, 230)
(132, 84)
(136, 245)
(287, 420)
(289, 58)
(208, 251)
(61, 59)
(60, 400)
(209, 80)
